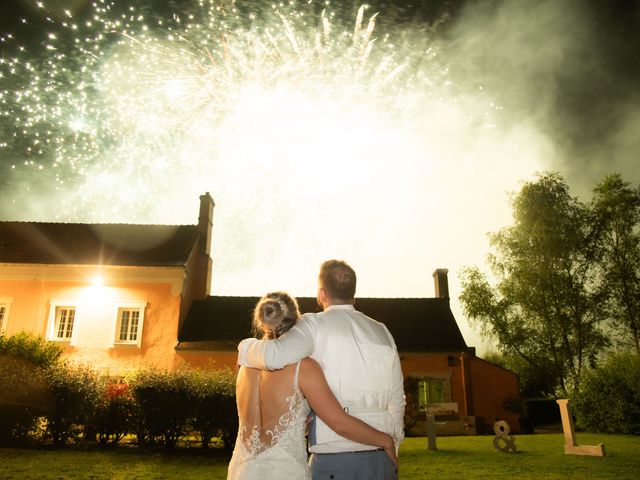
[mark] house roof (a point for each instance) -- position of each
(417, 324)
(96, 244)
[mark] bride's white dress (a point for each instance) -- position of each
(272, 413)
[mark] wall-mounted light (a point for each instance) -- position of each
(97, 288)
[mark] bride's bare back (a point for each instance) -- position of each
(267, 402)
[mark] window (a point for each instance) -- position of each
(129, 321)
(129, 324)
(62, 321)
(431, 390)
(63, 328)
(5, 305)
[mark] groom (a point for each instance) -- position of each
(360, 361)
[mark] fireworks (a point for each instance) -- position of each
(127, 96)
(289, 114)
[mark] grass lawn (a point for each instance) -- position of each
(540, 457)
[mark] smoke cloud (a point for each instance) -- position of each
(571, 68)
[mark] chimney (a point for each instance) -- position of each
(198, 279)
(441, 282)
(205, 264)
(205, 223)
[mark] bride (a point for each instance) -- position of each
(273, 407)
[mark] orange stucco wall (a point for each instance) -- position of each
(494, 389)
(96, 317)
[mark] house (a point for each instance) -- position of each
(120, 297)
(112, 295)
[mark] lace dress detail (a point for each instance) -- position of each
(272, 447)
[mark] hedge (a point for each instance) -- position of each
(43, 399)
(75, 392)
(114, 413)
(213, 398)
(162, 406)
(24, 390)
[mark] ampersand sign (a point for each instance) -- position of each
(503, 442)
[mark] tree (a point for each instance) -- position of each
(547, 305)
(617, 210)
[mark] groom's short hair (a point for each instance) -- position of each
(338, 279)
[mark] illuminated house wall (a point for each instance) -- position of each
(89, 324)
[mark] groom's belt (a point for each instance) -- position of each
(374, 450)
(356, 409)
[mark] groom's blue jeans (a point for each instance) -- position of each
(368, 465)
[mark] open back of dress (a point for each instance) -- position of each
(272, 413)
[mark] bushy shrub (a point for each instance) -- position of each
(608, 400)
(113, 414)
(162, 406)
(213, 401)
(75, 392)
(412, 413)
(24, 395)
(30, 347)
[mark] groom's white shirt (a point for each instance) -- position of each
(360, 361)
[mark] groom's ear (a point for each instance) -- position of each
(322, 296)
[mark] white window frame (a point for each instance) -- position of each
(54, 305)
(5, 303)
(119, 308)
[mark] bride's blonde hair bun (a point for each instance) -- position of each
(275, 314)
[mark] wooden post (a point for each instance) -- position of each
(431, 431)
(571, 446)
